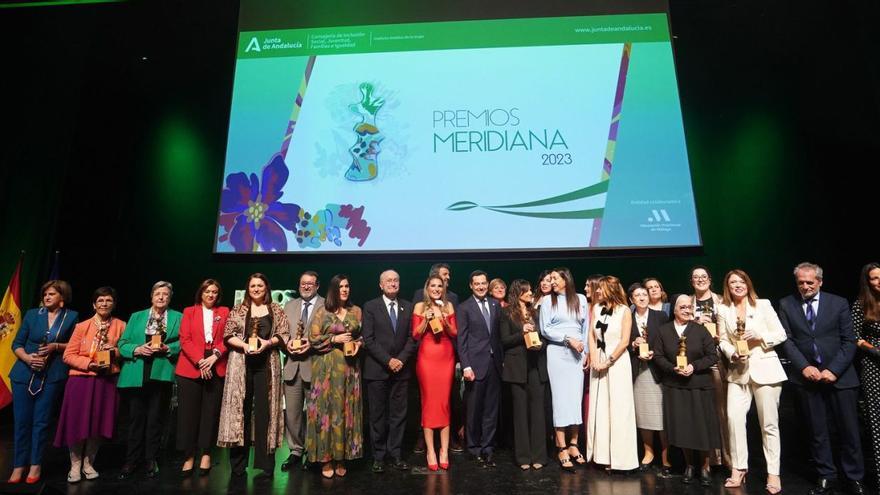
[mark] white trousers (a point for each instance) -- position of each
(739, 401)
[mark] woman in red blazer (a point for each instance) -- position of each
(200, 371)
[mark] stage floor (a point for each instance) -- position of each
(463, 477)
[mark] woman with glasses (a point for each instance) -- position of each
(91, 401)
(689, 415)
(706, 303)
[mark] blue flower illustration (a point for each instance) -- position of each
(253, 217)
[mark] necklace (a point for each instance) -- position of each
(46, 365)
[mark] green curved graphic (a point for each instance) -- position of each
(593, 190)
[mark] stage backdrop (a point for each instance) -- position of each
(534, 134)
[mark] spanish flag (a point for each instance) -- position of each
(10, 320)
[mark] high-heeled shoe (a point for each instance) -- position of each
(578, 458)
(735, 481)
(565, 460)
(444, 465)
(12, 481)
(773, 489)
(32, 480)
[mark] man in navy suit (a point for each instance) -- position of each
(481, 355)
(387, 369)
(821, 346)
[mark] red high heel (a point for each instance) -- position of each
(431, 467)
(444, 465)
(31, 481)
(12, 481)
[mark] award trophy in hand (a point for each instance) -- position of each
(681, 360)
(742, 345)
(253, 342)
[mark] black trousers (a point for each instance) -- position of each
(817, 401)
(198, 414)
(256, 408)
(482, 401)
(529, 425)
(387, 400)
(147, 407)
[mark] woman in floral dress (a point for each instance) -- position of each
(334, 433)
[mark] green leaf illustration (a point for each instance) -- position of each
(462, 205)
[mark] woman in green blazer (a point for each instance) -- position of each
(149, 349)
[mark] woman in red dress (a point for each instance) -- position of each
(433, 324)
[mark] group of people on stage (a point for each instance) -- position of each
(685, 368)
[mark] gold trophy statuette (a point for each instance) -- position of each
(712, 328)
(681, 360)
(533, 341)
(348, 348)
(156, 341)
(436, 323)
(643, 347)
(253, 340)
(103, 358)
(298, 341)
(742, 345)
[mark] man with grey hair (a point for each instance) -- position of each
(387, 369)
(297, 371)
(821, 345)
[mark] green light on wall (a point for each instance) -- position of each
(181, 170)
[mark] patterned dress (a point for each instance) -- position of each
(869, 331)
(334, 411)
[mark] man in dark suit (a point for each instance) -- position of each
(481, 356)
(297, 371)
(387, 369)
(441, 270)
(821, 345)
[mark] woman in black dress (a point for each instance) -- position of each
(689, 415)
(866, 323)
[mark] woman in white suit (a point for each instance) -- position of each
(756, 373)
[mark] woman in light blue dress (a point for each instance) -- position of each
(564, 321)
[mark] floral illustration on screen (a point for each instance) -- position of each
(253, 218)
(365, 151)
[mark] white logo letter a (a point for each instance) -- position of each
(253, 44)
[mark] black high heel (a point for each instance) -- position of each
(565, 460)
(579, 458)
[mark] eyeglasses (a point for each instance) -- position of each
(686, 306)
(307, 284)
(700, 278)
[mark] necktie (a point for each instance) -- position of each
(305, 315)
(393, 315)
(811, 320)
(484, 306)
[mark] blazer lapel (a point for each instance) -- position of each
(199, 326)
(822, 311)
